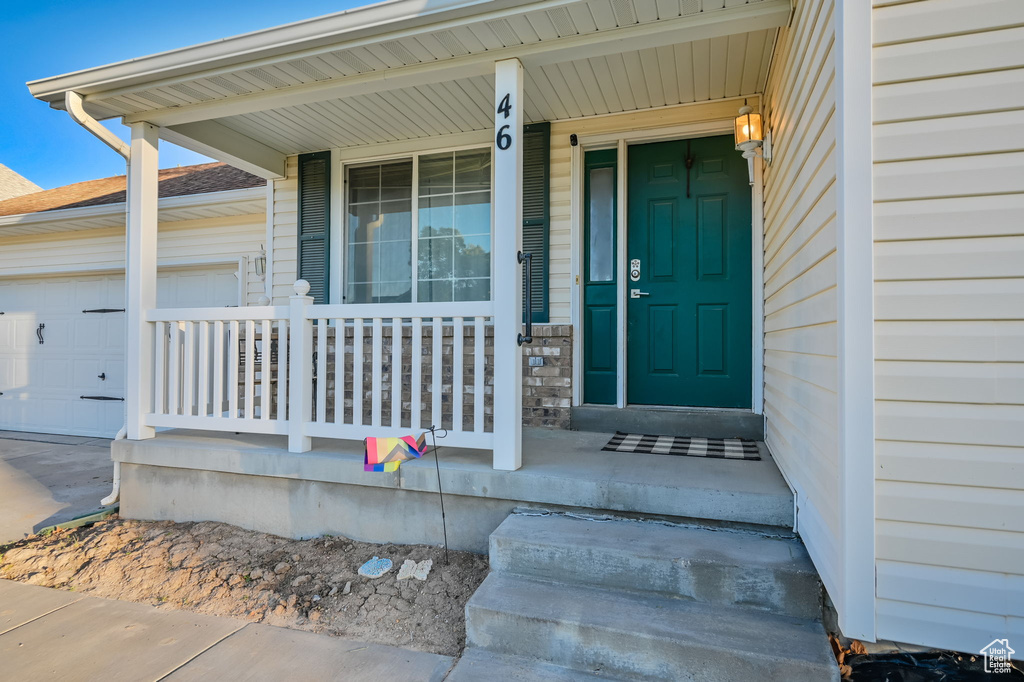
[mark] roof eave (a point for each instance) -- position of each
(226, 197)
(358, 23)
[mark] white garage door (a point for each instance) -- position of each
(60, 355)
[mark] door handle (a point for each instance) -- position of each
(636, 293)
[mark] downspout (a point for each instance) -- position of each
(73, 105)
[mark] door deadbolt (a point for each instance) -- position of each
(634, 270)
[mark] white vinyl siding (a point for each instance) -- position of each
(286, 225)
(948, 103)
(207, 240)
(801, 371)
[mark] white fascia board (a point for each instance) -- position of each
(233, 197)
(764, 15)
(368, 23)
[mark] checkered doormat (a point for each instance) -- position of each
(722, 448)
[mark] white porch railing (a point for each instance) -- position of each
(212, 370)
(328, 371)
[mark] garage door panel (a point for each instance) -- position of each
(17, 297)
(56, 295)
(89, 333)
(113, 333)
(24, 332)
(86, 372)
(57, 335)
(24, 371)
(114, 370)
(55, 374)
(42, 385)
(92, 293)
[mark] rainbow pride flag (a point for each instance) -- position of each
(385, 454)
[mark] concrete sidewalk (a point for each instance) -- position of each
(47, 479)
(52, 634)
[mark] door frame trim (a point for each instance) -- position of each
(621, 141)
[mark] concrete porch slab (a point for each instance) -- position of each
(254, 482)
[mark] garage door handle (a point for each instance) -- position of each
(104, 310)
(39, 332)
(100, 397)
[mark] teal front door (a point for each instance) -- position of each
(689, 275)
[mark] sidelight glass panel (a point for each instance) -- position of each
(602, 224)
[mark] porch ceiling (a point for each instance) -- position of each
(702, 70)
(426, 69)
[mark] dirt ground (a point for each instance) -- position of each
(223, 570)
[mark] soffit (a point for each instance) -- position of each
(699, 71)
(503, 32)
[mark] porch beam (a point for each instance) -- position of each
(140, 276)
(220, 142)
(507, 285)
(733, 20)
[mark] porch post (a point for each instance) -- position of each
(300, 369)
(507, 286)
(140, 277)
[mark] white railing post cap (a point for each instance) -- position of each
(263, 300)
(301, 287)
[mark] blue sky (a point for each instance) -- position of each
(47, 38)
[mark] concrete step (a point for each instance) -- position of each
(715, 566)
(640, 636)
(480, 665)
(669, 421)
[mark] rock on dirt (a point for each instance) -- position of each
(223, 570)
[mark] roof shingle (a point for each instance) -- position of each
(14, 185)
(174, 182)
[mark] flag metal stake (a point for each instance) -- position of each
(437, 465)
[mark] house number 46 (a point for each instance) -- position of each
(504, 139)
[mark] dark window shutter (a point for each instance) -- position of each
(315, 223)
(536, 218)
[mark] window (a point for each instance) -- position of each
(443, 227)
(379, 233)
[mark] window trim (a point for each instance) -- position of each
(340, 256)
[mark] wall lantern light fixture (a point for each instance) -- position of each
(750, 137)
(261, 264)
